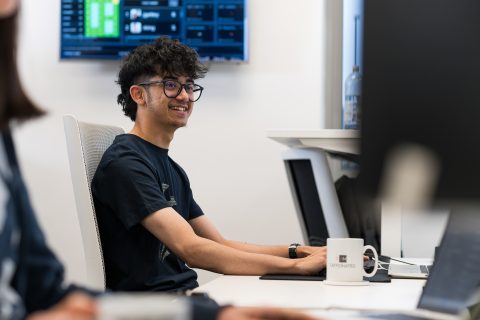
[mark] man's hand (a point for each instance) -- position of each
(261, 313)
(305, 251)
(313, 262)
(75, 306)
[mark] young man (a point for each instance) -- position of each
(152, 230)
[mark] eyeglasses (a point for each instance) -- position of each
(173, 88)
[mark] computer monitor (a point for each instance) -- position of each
(420, 131)
(421, 70)
(315, 199)
(328, 209)
(455, 277)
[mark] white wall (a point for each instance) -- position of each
(290, 82)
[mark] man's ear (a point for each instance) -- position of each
(138, 94)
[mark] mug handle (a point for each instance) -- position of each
(371, 274)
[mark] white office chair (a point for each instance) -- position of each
(86, 144)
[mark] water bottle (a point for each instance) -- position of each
(351, 106)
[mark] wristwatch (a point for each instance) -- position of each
(292, 250)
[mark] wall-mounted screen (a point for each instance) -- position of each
(109, 29)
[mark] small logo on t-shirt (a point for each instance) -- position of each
(164, 253)
(172, 201)
(342, 258)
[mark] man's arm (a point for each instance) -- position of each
(199, 252)
(262, 313)
(205, 228)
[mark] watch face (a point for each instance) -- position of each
(292, 250)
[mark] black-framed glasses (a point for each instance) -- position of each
(173, 88)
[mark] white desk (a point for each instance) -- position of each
(313, 295)
(330, 140)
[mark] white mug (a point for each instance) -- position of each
(345, 261)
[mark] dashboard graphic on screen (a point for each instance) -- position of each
(109, 29)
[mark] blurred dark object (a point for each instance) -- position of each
(380, 276)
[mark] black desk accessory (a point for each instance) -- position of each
(380, 276)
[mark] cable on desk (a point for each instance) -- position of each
(387, 258)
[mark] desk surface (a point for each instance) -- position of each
(335, 140)
(311, 295)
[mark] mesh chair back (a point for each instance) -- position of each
(86, 143)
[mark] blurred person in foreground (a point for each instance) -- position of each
(31, 277)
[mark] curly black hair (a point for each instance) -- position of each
(163, 57)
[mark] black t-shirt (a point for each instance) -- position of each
(135, 179)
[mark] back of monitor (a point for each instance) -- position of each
(314, 195)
